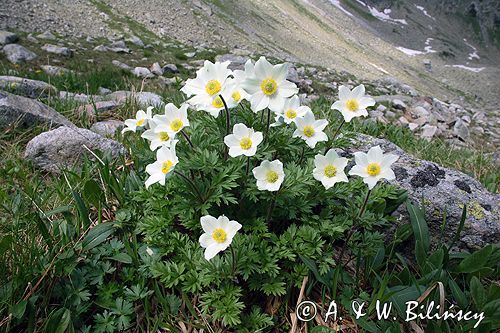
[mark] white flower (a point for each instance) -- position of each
(141, 120)
(311, 130)
(243, 141)
(269, 175)
(268, 86)
(157, 138)
(209, 82)
(174, 119)
(293, 110)
(329, 169)
(164, 165)
(353, 103)
(373, 166)
(232, 94)
(218, 234)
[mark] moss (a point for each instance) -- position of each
(475, 210)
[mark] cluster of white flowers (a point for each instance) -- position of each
(217, 88)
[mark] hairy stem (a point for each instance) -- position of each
(187, 138)
(192, 184)
(329, 145)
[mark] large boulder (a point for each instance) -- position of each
(64, 147)
(26, 87)
(18, 54)
(26, 112)
(59, 50)
(107, 128)
(7, 37)
(443, 191)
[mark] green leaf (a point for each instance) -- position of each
(82, 209)
(458, 294)
(122, 257)
(58, 321)
(321, 329)
(18, 309)
(478, 292)
(93, 193)
(475, 261)
(312, 267)
(460, 228)
(97, 235)
(420, 229)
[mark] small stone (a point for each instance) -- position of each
(142, 72)
(60, 50)
(18, 54)
(143, 98)
(390, 115)
(107, 128)
(26, 112)
(412, 126)
(55, 70)
(46, 35)
(104, 91)
(460, 130)
(381, 108)
(170, 68)
(91, 110)
(403, 120)
(26, 87)
(64, 147)
(190, 54)
(399, 104)
(466, 119)
(419, 111)
(101, 48)
(156, 69)
(82, 98)
(121, 65)
(136, 41)
(428, 132)
(7, 37)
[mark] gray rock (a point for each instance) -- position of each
(55, 70)
(104, 91)
(26, 112)
(237, 62)
(156, 69)
(460, 130)
(121, 65)
(101, 48)
(7, 37)
(108, 127)
(443, 190)
(82, 98)
(46, 35)
(190, 54)
(142, 72)
(26, 87)
(419, 111)
(64, 148)
(91, 110)
(136, 41)
(59, 50)
(399, 104)
(293, 75)
(170, 68)
(18, 54)
(143, 98)
(428, 132)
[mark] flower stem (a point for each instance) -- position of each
(268, 123)
(187, 138)
(233, 266)
(353, 227)
(228, 115)
(248, 166)
(271, 207)
(329, 145)
(193, 185)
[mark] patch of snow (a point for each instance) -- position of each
(471, 69)
(361, 3)
(379, 68)
(387, 11)
(383, 16)
(336, 3)
(409, 52)
(424, 11)
(474, 54)
(428, 47)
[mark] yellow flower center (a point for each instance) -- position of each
(219, 235)
(291, 113)
(271, 176)
(165, 168)
(212, 87)
(164, 136)
(373, 169)
(140, 122)
(236, 96)
(352, 105)
(246, 143)
(269, 86)
(176, 124)
(330, 171)
(308, 131)
(217, 102)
